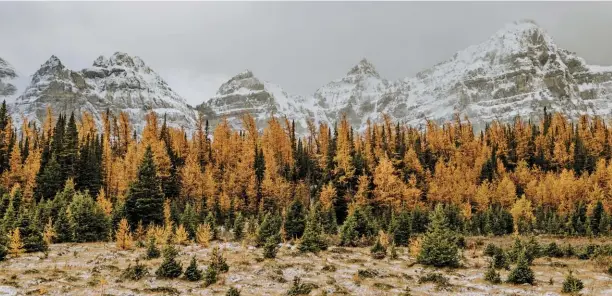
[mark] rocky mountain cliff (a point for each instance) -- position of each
(245, 93)
(7, 75)
(517, 71)
(117, 83)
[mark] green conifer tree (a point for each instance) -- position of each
(145, 199)
(152, 250)
(63, 228)
(358, 225)
(31, 234)
(269, 228)
(169, 268)
(572, 284)
(88, 222)
(521, 273)
(439, 246)
(192, 273)
(239, 227)
(312, 240)
(295, 220)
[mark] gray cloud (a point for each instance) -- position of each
(301, 46)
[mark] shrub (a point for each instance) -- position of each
(192, 273)
(378, 251)
(270, 248)
(218, 261)
(492, 276)
(299, 288)
(210, 276)
(367, 273)
(610, 270)
(136, 272)
(587, 252)
(522, 273)
(568, 250)
(553, 251)
(393, 252)
(232, 292)
(435, 278)
(169, 268)
(572, 284)
(491, 250)
(152, 250)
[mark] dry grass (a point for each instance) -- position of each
(95, 269)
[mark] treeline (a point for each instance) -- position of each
(72, 179)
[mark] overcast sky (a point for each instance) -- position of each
(300, 46)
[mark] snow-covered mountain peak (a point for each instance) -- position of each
(121, 83)
(363, 68)
(243, 82)
(53, 66)
(122, 60)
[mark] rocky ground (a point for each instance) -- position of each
(95, 269)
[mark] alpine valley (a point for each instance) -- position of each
(517, 71)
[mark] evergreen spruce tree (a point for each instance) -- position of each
(596, 217)
(4, 204)
(439, 246)
(31, 234)
(378, 251)
(145, 198)
(49, 180)
(88, 221)
(212, 221)
(217, 261)
(63, 228)
(11, 214)
(269, 229)
(393, 252)
(295, 220)
(210, 276)
(239, 227)
(192, 273)
(400, 228)
(189, 219)
(491, 275)
(521, 273)
(358, 225)
(169, 268)
(312, 240)
(152, 250)
(271, 247)
(68, 154)
(572, 284)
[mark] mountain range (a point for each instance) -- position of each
(519, 70)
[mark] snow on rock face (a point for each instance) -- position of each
(119, 83)
(360, 95)
(7, 75)
(245, 93)
(517, 71)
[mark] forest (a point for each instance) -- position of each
(76, 183)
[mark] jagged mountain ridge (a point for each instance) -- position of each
(118, 83)
(519, 70)
(245, 93)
